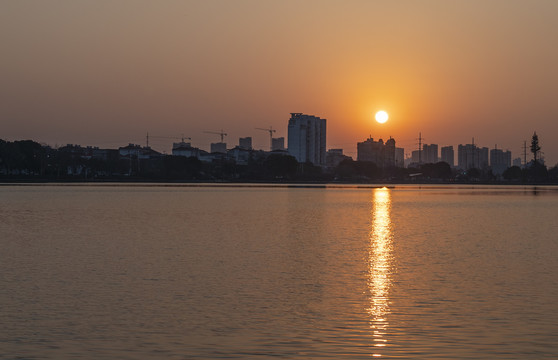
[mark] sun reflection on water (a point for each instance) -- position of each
(380, 267)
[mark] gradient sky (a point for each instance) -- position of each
(106, 72)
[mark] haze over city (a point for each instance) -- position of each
(296, 179)
(104, 73)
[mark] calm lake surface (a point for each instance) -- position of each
(186, 272)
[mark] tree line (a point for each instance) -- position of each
(27, 160)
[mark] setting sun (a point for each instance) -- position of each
(381, 116)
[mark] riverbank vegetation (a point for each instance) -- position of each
(30, 161)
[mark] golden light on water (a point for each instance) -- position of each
(380, 267)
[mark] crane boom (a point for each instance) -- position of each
(221, 133)
(271, 131)
(164, 137)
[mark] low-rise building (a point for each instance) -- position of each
(334, 157)
(137, 151)
(278, 144)
(240, 155)
(219, 147)
(185, 149)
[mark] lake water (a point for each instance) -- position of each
(186, 272)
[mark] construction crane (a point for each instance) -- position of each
(271, 131)
(223, 134)
(164, 137)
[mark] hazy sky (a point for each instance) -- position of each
(106, 72)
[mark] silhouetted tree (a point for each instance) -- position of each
(309, 171)
(24, 155)
(346, 169)
(222, 169)
(280, 166)
(537, 172)
(395, 173)
(253, 170)
(553, 174)
(357, 170)
(440, 170)
(535, 147)
(180, 167)
(513, 173)
(473, 173)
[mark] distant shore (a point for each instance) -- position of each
(32, 181)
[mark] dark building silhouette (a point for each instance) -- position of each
(278, 144)
(378, 152)
(500, 160)
(245, 143)
(470, 156)
(307, 138)
(447, 155)
(334, 157)
(430, 153)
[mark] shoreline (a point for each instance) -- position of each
(225, 183)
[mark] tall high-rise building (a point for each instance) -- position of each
(389, 152)
(466, 156)
(482, 158)
(370, 150)
(448, 155)
(378, 152)
(399, 157)
(470, 156)
(430, 153)
(307, 138)
(500, 160)
(416, 157)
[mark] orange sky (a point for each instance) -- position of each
(106, 72)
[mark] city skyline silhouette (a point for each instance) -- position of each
(97, 73)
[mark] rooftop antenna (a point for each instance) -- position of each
(420, 147)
